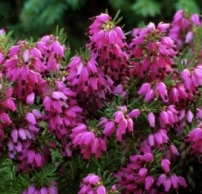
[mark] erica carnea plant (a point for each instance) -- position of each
(121, 116)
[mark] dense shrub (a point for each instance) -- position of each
(121, 116)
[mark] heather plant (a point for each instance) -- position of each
(122, 116)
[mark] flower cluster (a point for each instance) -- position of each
(52, 189)
(182, 27)
(89, 82)
(152, 52)
(108, 47)
(92, 184)
(122, 116)
(136, 176)
(88, 140)
(121, 123)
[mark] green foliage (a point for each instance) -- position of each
(46, 10)
(187, 6)
(76, 4)
(45, 175)
(147, 8)
(9, 182)
(50, 11)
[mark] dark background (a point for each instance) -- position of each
(35, 18)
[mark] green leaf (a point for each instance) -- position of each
(146, 8)
(75, 4)
(117, 3)
(48, 16)
(187, 5)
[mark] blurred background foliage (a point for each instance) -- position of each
(35, 18)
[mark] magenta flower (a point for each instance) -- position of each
(199, 113)
(101, 190)
(189, 37)
(160, 48)
(108, 46)
(174, 151)
(86, 79)
(92, 179)
(151, 119)
(182, 181)
(161, 88)
(136, 172)
(31, 118)
(171, 181)
(149, 95)
(189, 116)
(144, 88)
(169, 116)
(143, 172)
(174, 181)
(30, 190)
(182, 27)
(167, 184)
(109, 128)
(118, 116)
(91, 184)
(165, 164)
(149, 182)
(134, 113)
(88, 142)
(151, 140)
(30, 98)
(161, 179)
(52, 189)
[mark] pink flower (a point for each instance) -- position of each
(38, 159)
(86, 78)
(174, 150)
(151, 140)
(14, 135)
(142, 172)
(101, 190)
(118, 116)
(134, 113)
(162, 27)
(199, 113)
(9, 103)
(148, 182)
(182, 181)
(161, 180)
(144, 88)
(195, 19)
(189, 116)
(167, 184)
(30, 98)
(147, 157)
(189, 37)
(44, 190)
(164, 117)
(161, 50)
(151, 119)
(52, 189)
(161, 88)
(106, 45)
(109, 128)
(174, 181)
(165, 164)
(149, 95)
(31, 189)
(89, 182)
(182, 25)
(31, 118)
